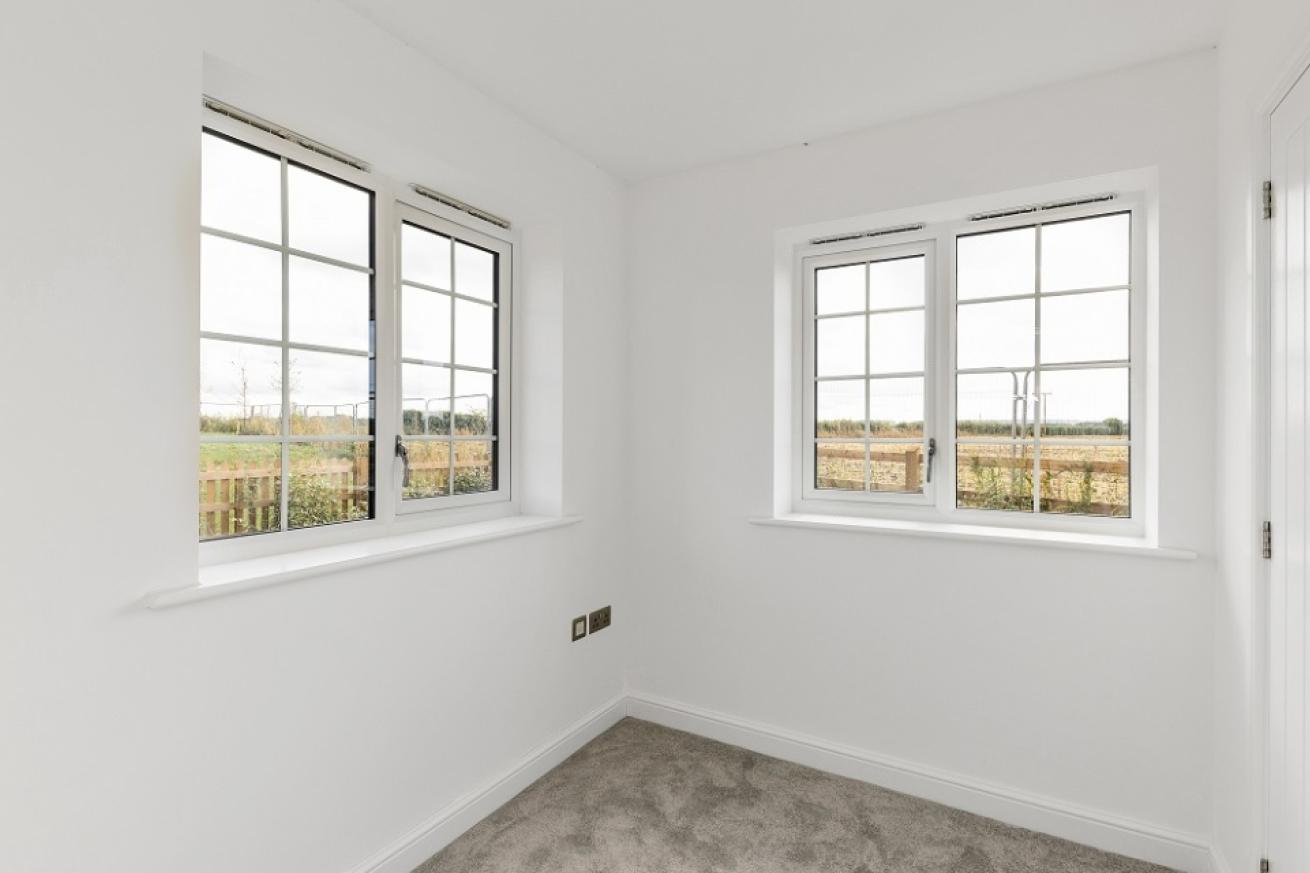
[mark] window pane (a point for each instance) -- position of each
(1092, 403)
(425, 257)
(994, 405)
(840, 346)
(330, 482)
(896, 407)
(240, 488)
(240, 288)
(240, 189)
(426, 403)
(995, 334)
(839, 466)
(240, 388)
(1087, 253)
(839, 289)
(429, 469)
(996, 264)
(896, 283)
(330, 394)
(839, 408)
(1085, 327)
(474, 393)
(475, 337)
(896, 468)
(1085, 480)
(425, 324)
(994, 477)
(896, 342)
(329, 306)
(473, 467)
(327, 217)
(475, 272)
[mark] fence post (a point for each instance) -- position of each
(912, 469)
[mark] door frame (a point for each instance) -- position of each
(1262, 256)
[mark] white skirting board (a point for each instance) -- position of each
(1091, 827)
(434, 834)
(1103, 830)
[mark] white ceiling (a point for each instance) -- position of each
(648, 88)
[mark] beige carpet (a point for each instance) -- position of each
(646, 799)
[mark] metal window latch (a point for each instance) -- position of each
(932, 453)
(402, 452)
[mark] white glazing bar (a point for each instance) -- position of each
(284, 495)
(450, 426)
(1038, 411)
(299, 253)
(868, 355)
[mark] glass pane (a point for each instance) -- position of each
(240, 288)
(1085, 327)
(994, 405)
(896, 283)
(839, 466)
(994, 477)
(240, 489)
(473, 473)
(996, 264)
(475, 336)
(840, 346)
(1085, 480)
(474, 393)
(1087, 253)
(839, 289)
(1091, 403)
(425, 325)
(240, 189)
(425, 257)
(327, 217)
(896, 342)
(426, 399)
(475, 272)
(995, 334)
(328, 306)
(330, 394)
(330, 482)
(896, 407)
(240, 388)
(429, 469)
(839, 408)
(896, 468)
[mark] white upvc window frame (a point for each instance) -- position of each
(502, 370)
(392, 199)
(866, 254)
(937, 504)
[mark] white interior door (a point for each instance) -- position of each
(1289, 731)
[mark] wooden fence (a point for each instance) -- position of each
(235, 499)
(911, 459)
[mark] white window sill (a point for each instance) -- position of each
(980, 533)
(219, 580)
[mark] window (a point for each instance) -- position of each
(1020, 334)
(870, 326)
(450, 348)
(313, 375)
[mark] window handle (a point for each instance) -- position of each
(932, 454)
(402, 452)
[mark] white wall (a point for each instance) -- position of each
(1261, 40)
(1079, 676)
(300, 728)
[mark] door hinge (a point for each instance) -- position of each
(1267, 540)
(1264, 865)
(1268, 189)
